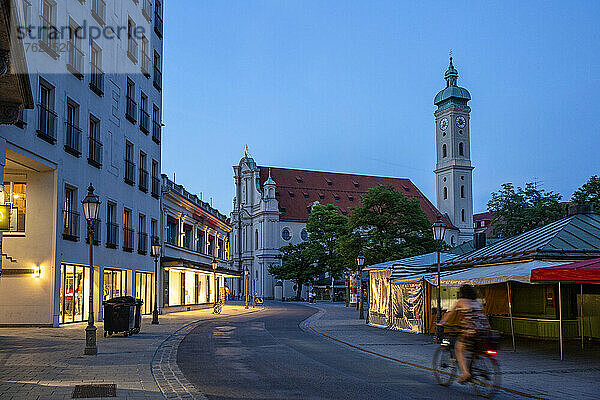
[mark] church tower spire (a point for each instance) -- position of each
(453, 170)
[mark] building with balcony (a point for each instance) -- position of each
(195, 235)
(91, 123)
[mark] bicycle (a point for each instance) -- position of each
(218, 307)
(483, 366)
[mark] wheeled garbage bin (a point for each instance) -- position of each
(119, 315)
(138, 316)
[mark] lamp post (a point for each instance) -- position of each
(347, 276)
(156, 254)
(215, 264)
(360, 261)
(91, 206)
(246, 285)
(439, 229)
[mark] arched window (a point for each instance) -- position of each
(461, 149)
(444, 152)
(256, 239)
(445, 193)
(462, 215)
(462, 191)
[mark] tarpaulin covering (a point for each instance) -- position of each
(519, 272)
(379, 297)
(408, 301)
(587, 271)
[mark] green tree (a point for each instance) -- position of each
(387, 226)
(296, 266)
(589, 193)
(325, 227)
(523, 209)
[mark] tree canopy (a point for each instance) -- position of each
(518, 210)
(296, 266)
(589, 193)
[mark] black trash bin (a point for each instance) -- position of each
(138, 316)
(119, 315)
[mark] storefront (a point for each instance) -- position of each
(115, 283)
(188, 287)
(144, 290)
(74, 293)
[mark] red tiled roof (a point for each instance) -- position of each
(484, 216)
(341, 190)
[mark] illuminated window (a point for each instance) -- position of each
(16, 193)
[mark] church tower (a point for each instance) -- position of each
(453, 170)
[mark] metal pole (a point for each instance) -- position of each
(512, 326)
(357, 302)
(332, 289)
(560, 335)
(155, 312)
(347, 290)
(581, 315)
(215, 283)
(360, 295)
(246, 288)
(91, 349)
(253, 294)
(438, 330)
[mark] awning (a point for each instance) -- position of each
(587, 271)
(516, 272)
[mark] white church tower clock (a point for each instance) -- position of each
(453, 170)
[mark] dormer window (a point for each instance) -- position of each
(321, 196)
(356, 185)
(329, 183)
(299, 180)
(351, 198)
(406, 188)
(277, 194)
(336, 197)
(291, 194)
(305, 195)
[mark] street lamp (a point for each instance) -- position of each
(347, 276)
(246, 285)
(91, 206)
(360, 261)
(439, 229)
(156, 254)
(215, 264)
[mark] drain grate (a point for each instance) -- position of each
(92, 391)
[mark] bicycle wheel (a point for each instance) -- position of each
(486, 376)
(444, 366)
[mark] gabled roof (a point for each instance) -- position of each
(342, 190)
(469, 247)
(573, 237)
(411, 266)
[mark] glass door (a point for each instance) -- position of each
(74, 292)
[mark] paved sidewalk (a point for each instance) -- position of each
(47, 363)
(534, 369)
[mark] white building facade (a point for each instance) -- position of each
(95, 69)
(195, 235)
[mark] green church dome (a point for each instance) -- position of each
(452, 90)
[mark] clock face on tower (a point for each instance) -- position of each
(444, 124)
(461, 122)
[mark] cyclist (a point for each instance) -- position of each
(473, 321)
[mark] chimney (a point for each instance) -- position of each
(574, 209)
(479, 240)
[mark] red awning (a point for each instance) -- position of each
(587, 271)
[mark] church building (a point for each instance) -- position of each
(272, 205)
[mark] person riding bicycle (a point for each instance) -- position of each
(473, 321)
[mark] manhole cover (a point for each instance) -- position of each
(91, 391)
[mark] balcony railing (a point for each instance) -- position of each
(146, 65)
(99, 11)
(147, 10)
(47, 124)
(144, 121)
(97, 233)
(158, 24)
(142, 243)
(72, 139)
(129, 172)
(96, 80)
(70, 225)
(128, 239)
(157, 78)
(94, 152)
(49, 37)
(75, 61)
(143, 180)
(155, 187)
(112, 235)
(156, 128)
(131, 110)
(132, 49)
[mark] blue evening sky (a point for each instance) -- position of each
(348, 86)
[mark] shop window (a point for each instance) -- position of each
(115, 283)
(74, 293)
(182, 288)
(197, 288)
(16, 194)
(166, 287)
(144, 290)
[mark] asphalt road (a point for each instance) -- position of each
(267, 355)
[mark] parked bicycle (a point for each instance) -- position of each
(218, 307)
(483, 366)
